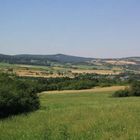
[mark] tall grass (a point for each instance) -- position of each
(85, 116)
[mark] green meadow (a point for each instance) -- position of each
(81, 116)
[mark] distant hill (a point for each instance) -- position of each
(67, 58)
(47, 60)
(124, 61)
(132, 59)
(25, 59)
(42, 59)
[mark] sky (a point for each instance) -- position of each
(91, 28)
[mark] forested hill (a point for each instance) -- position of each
(61, 58)
(41, 59)
(24, 59)
(68, 58)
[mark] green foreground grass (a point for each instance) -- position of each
(85, 116)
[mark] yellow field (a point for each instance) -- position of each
(35, 73)
(120, 62)
(96, 89)
(104, 72)
(40, 73)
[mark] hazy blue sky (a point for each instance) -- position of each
(95, 28)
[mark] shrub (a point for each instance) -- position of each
(121, 93)
(18, 101)
(133, 90)
(16, 97)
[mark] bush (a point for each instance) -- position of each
(16, 97)
(121, 93)
(133, 90)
